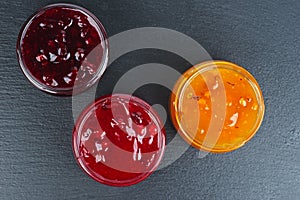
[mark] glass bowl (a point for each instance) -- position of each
(217, 106)
(118, 140)
(62, 49)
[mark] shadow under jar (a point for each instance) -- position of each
(63, 49)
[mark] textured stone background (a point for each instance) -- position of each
(36, 160)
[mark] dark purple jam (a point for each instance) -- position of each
(62, 45)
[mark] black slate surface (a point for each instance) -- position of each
(36, 160)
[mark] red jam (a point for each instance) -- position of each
(62, 45)
(119, 140)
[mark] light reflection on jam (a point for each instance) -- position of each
(59, 43)
(120, 141)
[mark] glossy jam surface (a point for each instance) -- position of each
(217, 106)
(62, 44)
(119, 140)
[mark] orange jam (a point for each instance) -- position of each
(217, 106)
